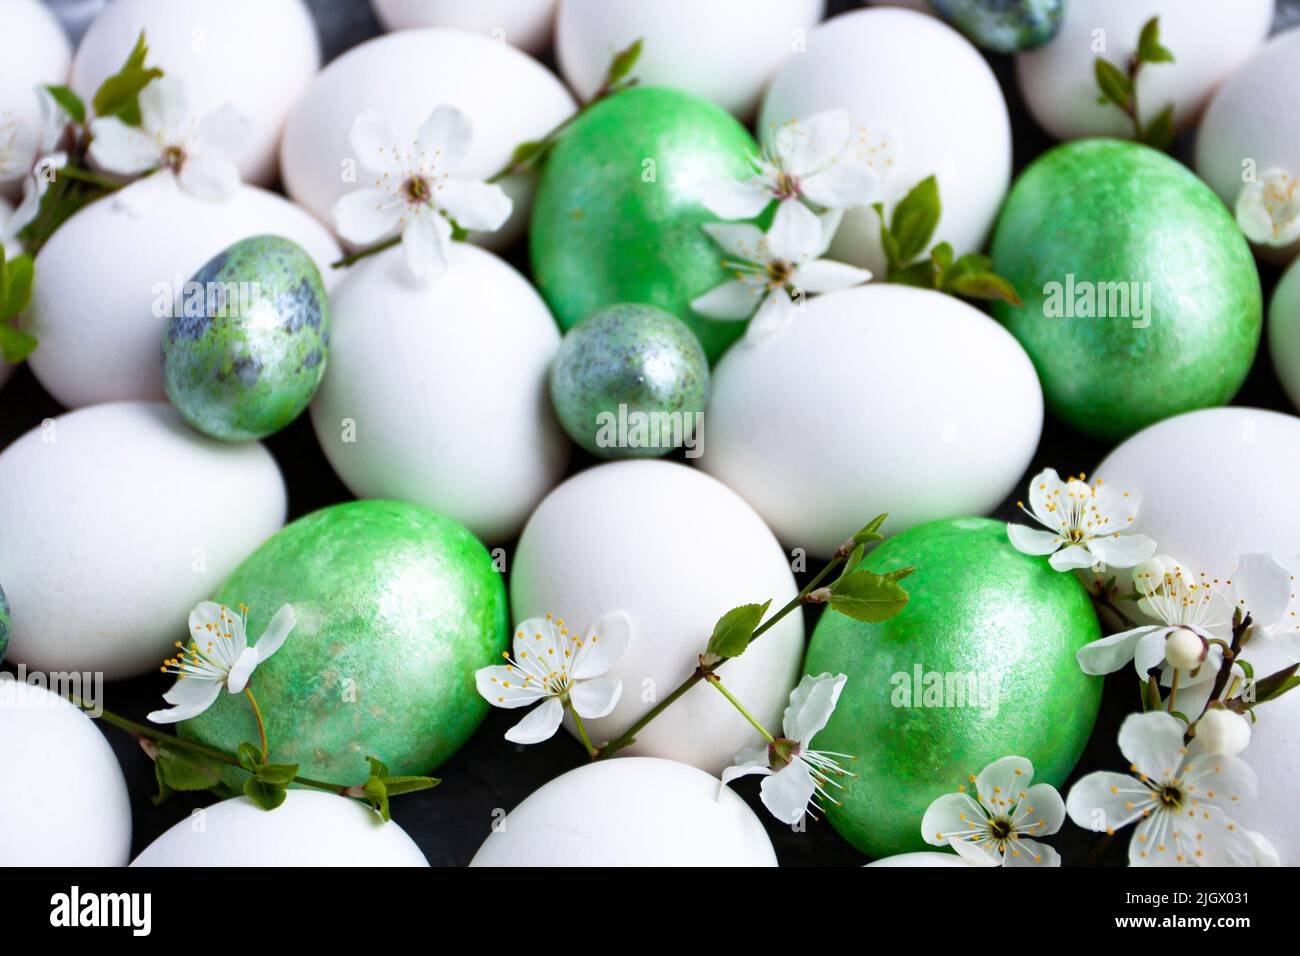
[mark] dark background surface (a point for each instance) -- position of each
(450, 822)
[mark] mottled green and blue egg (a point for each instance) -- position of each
(245, 347)
(630, 381)
(1004, 26)
(6, 621)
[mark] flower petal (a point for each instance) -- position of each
(596, 697)
(189, 689)
(1264, 588)
(732, 301)
(787, 792)
(796, 233)
(1109, 654)
(118, 148)
(367, 215)
(1030, 853)
(540, 724)
(1040, 812)
(843, 185)
(806, 146)
(426, 241)
(952, 818)
(1072, 558)
(742, 240)
(1001, 784)
(192, 706)
(811, 705)
(482, 207)
(736, 771)
(603, 647)
(504, 686)
(209, 176)
(1029, 540)
(1104, 802)
(1149, 651)
(1044, 488)
(772, 317)
(206, 619)
(448, 132)
(374, 143)
(242, 670)
(1153, 742)
(281, 624)
(735, 199)
(1122, 551)
(1220, 779)
(978, 852)
(225, 131)
(164, 106)
(824, 275)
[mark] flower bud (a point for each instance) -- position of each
(1184, 649)
(1220, 731)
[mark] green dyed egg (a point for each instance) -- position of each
(1141, 297)
(6, 622)
(979, 665)
(630, 381)
(397, 608)
(617, 216)
(245, 348)
(1004, 26)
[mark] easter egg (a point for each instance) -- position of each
(978, 665)
(912, 119)
(525, 24)
(83, 821)
(930, 411)
(508, 97)
(33, 51)
(245, 347)
(127, 519)
(1284, 332)
(1004, 26)
(724, 50)
(922, 858)
(632, 536)
(1141, 298)
(98, 316)
(630, 364)
(6, 621)
(397, 607)
(1240, 140)
(618, 216)
(1221, 462)
(310, 828)
(1209, 40)
(436, 392)
(633, 811)
(258, 57)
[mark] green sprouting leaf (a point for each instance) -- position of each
(1159, 133)
(915, 218)
(15, 344)
(984, 285)
(899, 574)
(867, 596)
(853, 560)
(1275, 685)
(887, 239)
(528, 154)
(1151, 694)
(397, 786)
(871, 530)
(1149, 48)
(942, 257)
(268, 796)
(734, 629)
(70, 101)
(250, 756)
(1115, 86)
(377, 796)
(921, 274)
(277, 773)
(16, 286)
(178, 769)
(119, 95)
(377, 767)
(623, 63)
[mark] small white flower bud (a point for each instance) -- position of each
(1220, 731)
(1184, 649)
(1151, 570)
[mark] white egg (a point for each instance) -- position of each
(725, 50)
(630, 811)
(33, 51)
(1213, 485)
(1208, 38)
(922, 858)
(675, 550)
(1241, 135)
(436, 392)
(82, 820)
(127, 519)
(1284, 332)
(310, 828)
(256, 56)
(881, 398)
(525, 24)
(949, 121)
(509, 98)
(106, 278)
(1274, 739)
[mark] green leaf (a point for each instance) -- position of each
(70, 102)
(528, 154)
(119, 95)
(899, 574)
(1151, 694)
(867, 596)
(178, 769)
(396, 786)
(915, 218)
(268, 796)
(1115, 86)
(920, 274)
(377, 767)
(376, 792)
(622, 64)
(734, 629)
(250, 756)
(871, 530)
(1149, 48)
(1275, 685)
(984, 285)
(1159, 133)
(15, 344)
(853, 560)
(887, 241)
(277, 773)
(16, 286)
(942, 257)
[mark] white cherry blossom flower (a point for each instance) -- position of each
(795, 776)
(54, 123)
(198, 153)
(218, 656)
(771, 268)
(813, 160)
(13, 165)
(1181, 803)
(558, 669)
(1088, 524)
(998, 825)
(1220, 731)
(1268, 210)
(1265, 589)
(414, 194)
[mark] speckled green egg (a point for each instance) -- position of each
(617, 216)
(245, 348)
(630, 381)
(397, 608)
(1141, 297)
(1004, 26)
(979, 665)
(6, 622)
